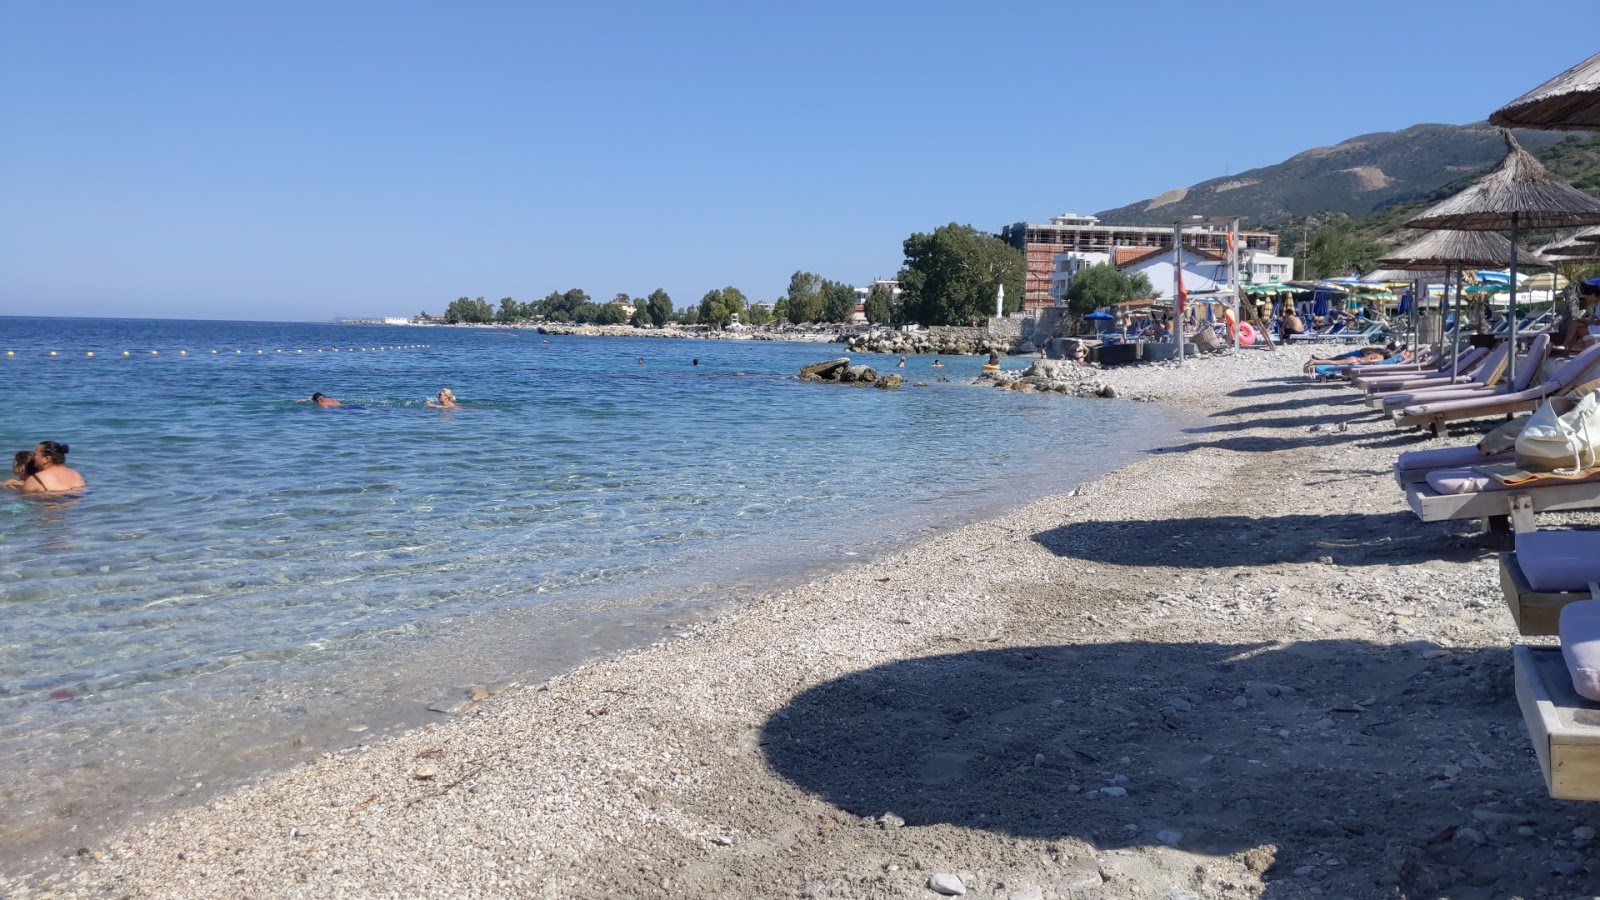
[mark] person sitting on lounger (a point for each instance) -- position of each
(1292, 324)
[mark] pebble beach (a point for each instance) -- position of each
(1238, 667)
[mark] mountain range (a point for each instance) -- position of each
(1356, 178)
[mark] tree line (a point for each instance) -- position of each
(950, 277)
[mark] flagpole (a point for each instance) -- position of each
(1177, 287)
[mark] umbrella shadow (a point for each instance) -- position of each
(1349, 539)
(1306, 421)
(1258, 408)
(1140, 744)
(1272, 388)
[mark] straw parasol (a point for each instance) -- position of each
(1519, 193)
(1452, 251)
(1568, 102)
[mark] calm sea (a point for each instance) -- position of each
(251, 578)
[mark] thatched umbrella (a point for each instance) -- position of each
(1453, 251)
(1568, 102)
(1519, 193)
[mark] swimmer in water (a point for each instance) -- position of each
(323, 401)
(901, 364)
(21, 466)
(696, 362)
(50, 471)
(447, 400)
(639, 361)
(937, 364)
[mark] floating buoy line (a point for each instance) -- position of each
(231, 351)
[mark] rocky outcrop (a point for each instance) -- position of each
(827, 370)
(1055, 376)
(942, 342)
(840, 371)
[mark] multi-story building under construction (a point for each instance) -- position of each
(1067, 233)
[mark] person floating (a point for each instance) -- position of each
(901, 364)
(639, 361)
(937, 364)
(696, 362)
(447, 400)
(322, 400)
(50, 471)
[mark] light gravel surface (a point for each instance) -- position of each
(1235, 668)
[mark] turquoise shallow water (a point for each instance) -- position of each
(235, 542)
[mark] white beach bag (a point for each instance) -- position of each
(1561, 443)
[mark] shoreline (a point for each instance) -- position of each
(1219, 669)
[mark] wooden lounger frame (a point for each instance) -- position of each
(1519, 504)
(1564, 727)
(1535, 612)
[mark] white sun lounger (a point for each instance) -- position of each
(1547, 571)
(1564, 727)
(1450, 494)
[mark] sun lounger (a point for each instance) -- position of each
(1527, 370)
(1466, 493)
(1414, 466)
(1378, 382)
(1564, 727)
(1484, 377)
(1433, 366)
(1547, 571)
(1573, 374)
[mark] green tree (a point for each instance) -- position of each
(879, 307)
(950, 276)
(780, 309)
(612, 314)
(564, 307)
(838, 301)
(659, 306)
(510, 310)
(760, 313)
(1102, 285)
(689, 316)
(805, 297)
(718, 307)
(1335, 249)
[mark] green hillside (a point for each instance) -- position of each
(1574, 159)
(1355, 178)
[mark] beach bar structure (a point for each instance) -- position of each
(1072, 233)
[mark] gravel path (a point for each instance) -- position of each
(1236, 668)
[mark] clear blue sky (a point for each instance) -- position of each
(299, 161)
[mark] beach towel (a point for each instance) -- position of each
(1512, 475)
(1504, 438)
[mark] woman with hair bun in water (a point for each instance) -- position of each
(50, 471)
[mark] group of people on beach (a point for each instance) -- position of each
(44, 470)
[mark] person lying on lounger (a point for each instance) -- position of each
(1364, 357)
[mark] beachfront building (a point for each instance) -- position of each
(859, 317)
(1041, 244)
(1265, 267)
(1203, 269)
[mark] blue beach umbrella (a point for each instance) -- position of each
(1098, 316)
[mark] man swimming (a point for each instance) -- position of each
(320, 399)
